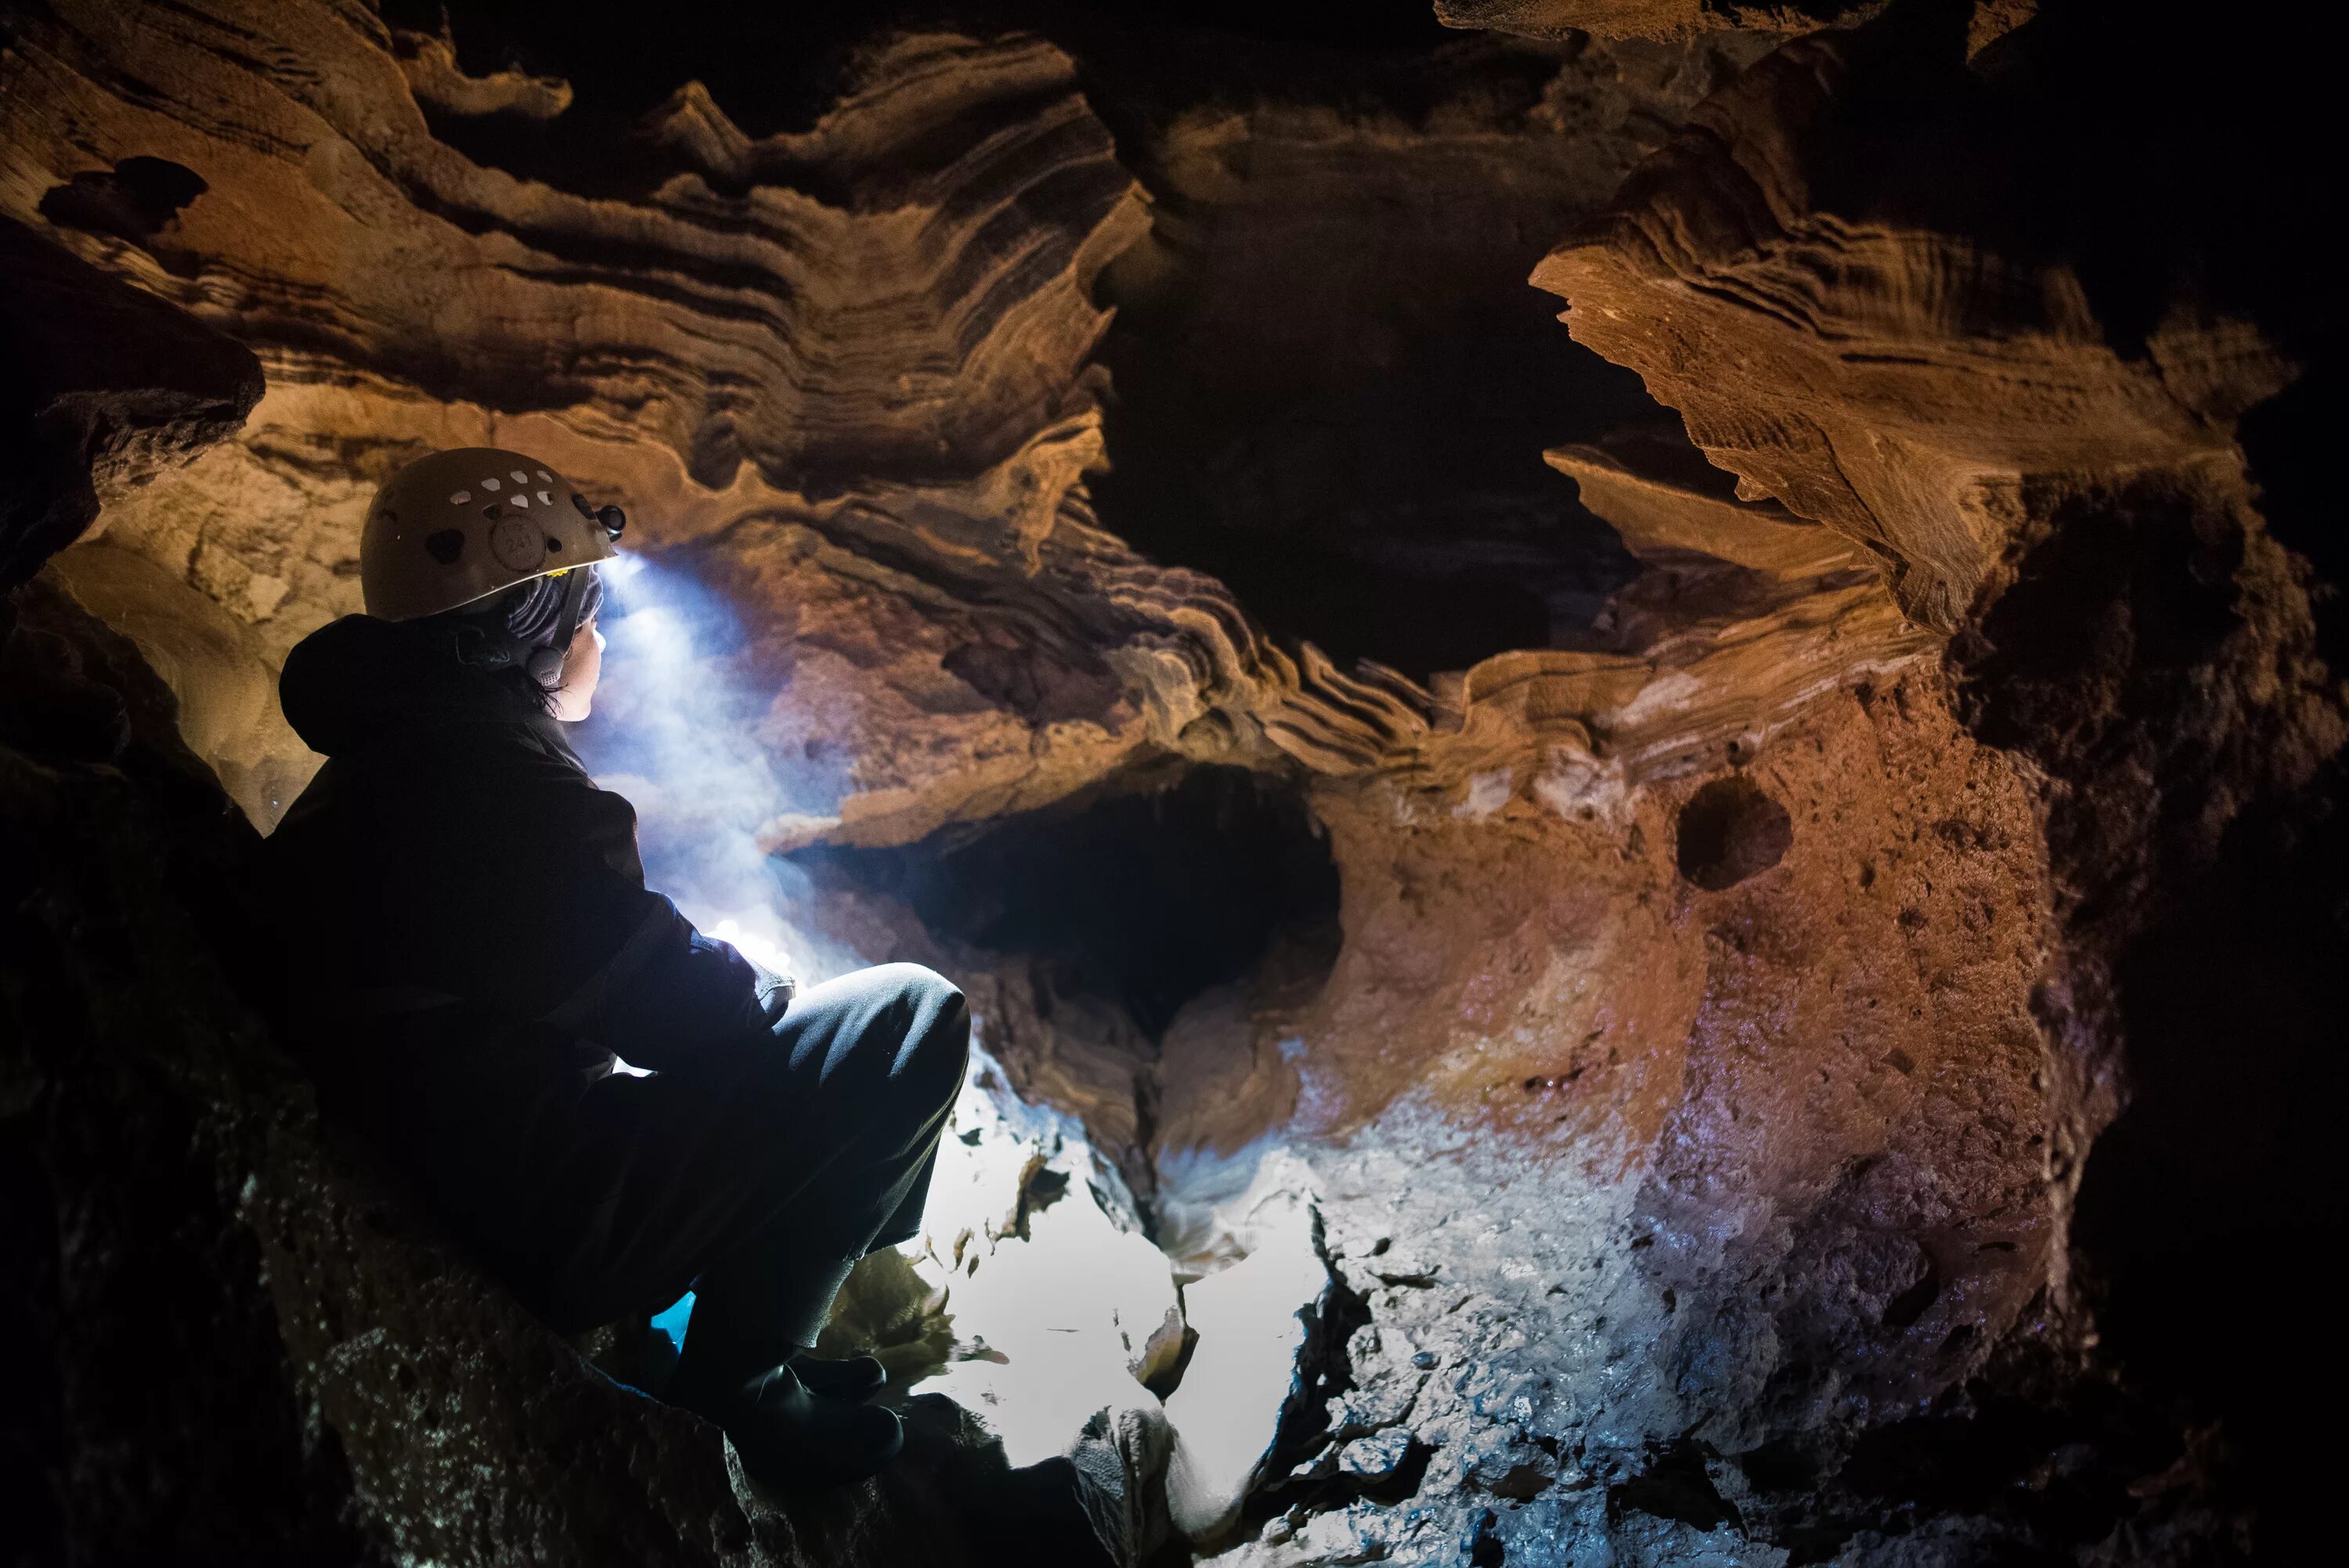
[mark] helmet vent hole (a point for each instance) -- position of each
(493, 511)
(554, 544)
(461, 498)
(446, 546)
(490, 483)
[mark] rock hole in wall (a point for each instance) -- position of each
(1676, 1486)
(1728, 830)
(1905, 1309)
(133, 201)
(1143, 895)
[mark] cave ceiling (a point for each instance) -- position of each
(1574, 671)
(881, 334)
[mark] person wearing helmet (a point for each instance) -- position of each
(472, 949)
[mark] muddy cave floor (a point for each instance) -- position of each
(1711, 935)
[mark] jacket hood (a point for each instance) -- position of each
(359, 679)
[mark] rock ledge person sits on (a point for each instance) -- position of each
(471, 944)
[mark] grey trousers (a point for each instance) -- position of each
(747, 1176)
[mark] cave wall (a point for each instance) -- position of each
(2023, 342)
(230, 1337)
(1628, 1158)
(925, 343)
(947, 474)
(1752, 1041)
(132, 1343)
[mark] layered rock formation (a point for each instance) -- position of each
(1986, 21)
(1647, 18)
(1601, 981)
(740, 328)
(2022, 391)
(106, 390)
(1274, 375)
(968, 279)
(234, 1338)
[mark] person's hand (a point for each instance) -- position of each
(775, 993)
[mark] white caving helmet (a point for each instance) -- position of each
(458, 527)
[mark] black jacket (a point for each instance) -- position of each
(453, 860)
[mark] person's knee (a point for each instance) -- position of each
(937, 1039)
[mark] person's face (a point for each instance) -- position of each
(582, 669)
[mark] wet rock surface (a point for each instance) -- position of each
(1739, 990)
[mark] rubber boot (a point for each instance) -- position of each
(855, 1378)
(752, 1313)
(789, 1438)
(753, 1318)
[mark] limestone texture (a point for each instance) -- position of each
(1646, 18)
(106, 390)
(1713, 936)
(1986, 21)
(1255, 1321)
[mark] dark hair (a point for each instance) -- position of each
(483, 625)
(524, 687)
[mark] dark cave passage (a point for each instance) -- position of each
(2220, 1168)
(1141, 897)
(1355, 452)
(1377, 492)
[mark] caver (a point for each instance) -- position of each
(471, 946)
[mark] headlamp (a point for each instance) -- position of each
(611, 518)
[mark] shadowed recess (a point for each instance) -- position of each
(1730, 830)
(1143, 898)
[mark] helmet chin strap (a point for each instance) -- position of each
(545, 664)
(495, 650)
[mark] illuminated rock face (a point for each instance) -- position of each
(106, 390)
(1613, 1065)
(909, 365)
(1986, 21)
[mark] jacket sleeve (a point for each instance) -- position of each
(666, 993)
(670, 995)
